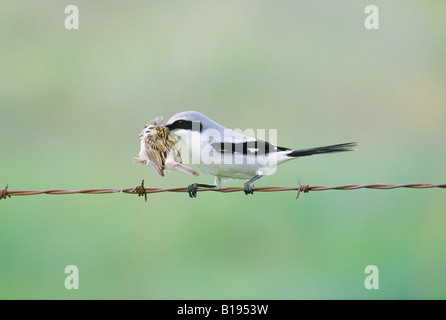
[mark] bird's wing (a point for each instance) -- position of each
(255, 147)
(225, 135)
(156, 158)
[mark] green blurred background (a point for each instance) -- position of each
(72, 104)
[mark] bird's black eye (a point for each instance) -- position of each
(185, 124)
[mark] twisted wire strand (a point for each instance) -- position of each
(143, 191)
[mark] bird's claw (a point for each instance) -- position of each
(192, 190)
(247, 189)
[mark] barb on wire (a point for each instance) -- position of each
(302, 188)
(4, 193)
(142, 191)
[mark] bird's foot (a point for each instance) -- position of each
(192, 188)
(247, 189)
(247, 186)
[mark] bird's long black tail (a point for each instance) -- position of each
(351, 146)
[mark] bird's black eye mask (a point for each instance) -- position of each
(186, 125)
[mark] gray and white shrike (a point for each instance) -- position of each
(228, 155)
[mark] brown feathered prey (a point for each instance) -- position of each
(158, 148)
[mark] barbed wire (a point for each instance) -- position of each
(140, 190)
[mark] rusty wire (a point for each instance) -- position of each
(143, 191)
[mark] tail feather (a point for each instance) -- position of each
(351, 146)
(181, 167)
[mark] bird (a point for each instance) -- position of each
(229, 155)
(158, 148)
